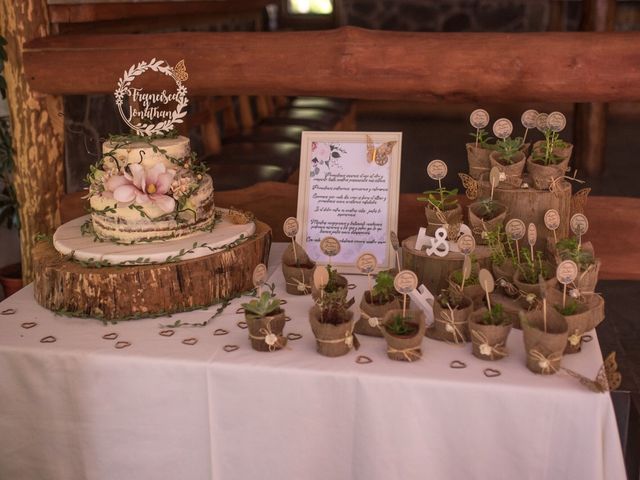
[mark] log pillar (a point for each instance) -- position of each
(590, 119)
(37, 129)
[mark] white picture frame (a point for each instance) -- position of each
(345, 193)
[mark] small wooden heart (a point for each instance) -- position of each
(28, 325)
(351, 286)
(587, 338)
(240, 310)
(242, 324)
(230, 348)
(363, 359)
(457, 364)
(166, 333)
(220, 331)
(287, 318)
(110, 336)
(122, 344)
(294, 336)
(283, 302)
(491, 372)
(8, 311)
(48, 339)
(190, 341)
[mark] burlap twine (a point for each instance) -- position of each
(451, 324)
(589, 307)
(544, 175)
(404, 349)
(513, 171)
(332, 340)
(550, 344)
(297, 269)
(265, 333)
(372, 314)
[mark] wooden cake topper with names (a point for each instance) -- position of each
(148, 112)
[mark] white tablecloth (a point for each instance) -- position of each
(159, 409)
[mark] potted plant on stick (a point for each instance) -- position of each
(376, 303)
(451, 313)
(489, 329)
(550, 157)
(441, 207)
(509, 159)
(265, 319)
(478, 153)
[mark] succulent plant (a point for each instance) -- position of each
(264, 306)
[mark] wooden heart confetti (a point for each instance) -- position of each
(220, 331)
(294, 336)
(190, 341)
(230, 348)
(110, 336)
(48, 339)
(287, 318)
(242, 324)
(587, 338)
(491, 372)
(166, 333)
(28, 325)
(8, 311)
(457, 364)
(122, 344)
(363, 359)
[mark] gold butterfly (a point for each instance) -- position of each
(607, 379)
(381, 153)
(470, 185)
(579, 200)
(180, 71)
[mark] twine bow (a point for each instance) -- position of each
(348, 339)
(300, 286)
(545, 363)
(450, 324)
(373, 321)
(486, 349)
(410, 354)
(273, 341)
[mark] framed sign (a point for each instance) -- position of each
(349, 189)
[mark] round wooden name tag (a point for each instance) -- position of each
(406, 281)
(502, 128)
(479, 118)
(466, 244)
(437, 169)
(567, 272)
(532, 234)
(579, 224)
(330, 246)
(528, 118)
(541, 122)
(515, 228)
(290, 227)
(367, 263)
(552, 219)
(556, 121)
(259, 275)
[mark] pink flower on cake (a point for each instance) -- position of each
(142, 186)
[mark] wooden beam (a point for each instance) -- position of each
(358, 63)
(36, 127)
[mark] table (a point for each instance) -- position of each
(159, 409)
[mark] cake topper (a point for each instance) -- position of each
(147, 112)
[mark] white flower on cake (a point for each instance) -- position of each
(142, 186)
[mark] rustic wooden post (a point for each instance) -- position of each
(37, 129)
(590, 123)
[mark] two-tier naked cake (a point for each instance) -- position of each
(145, 190)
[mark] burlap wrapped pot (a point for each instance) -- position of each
(265, 333)
(451, 325)
(478, 159)
(589, 315)
(588, 279)
(543, 175)
(534, 287)
(563, 153)
(544, 348)
(452, 216)
(332, 340)
(513, 171)
(488, 342)
(372, 314)
(506, 271)
(297, 269)
(406, 349)
(478, 225)
(473, 292)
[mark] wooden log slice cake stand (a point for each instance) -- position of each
(128, 292)
(530, 205)
(433, 271)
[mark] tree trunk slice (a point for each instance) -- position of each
(433, 271)
(124, 293)
(530, 205)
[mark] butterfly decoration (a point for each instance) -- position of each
(607, 379)
(470, 184)
(180, 71)
(579, 201)
(381, 153)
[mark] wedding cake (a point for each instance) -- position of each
(149, 190)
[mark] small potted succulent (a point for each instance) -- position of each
(403, 330)
(583, 256)
(528, 273)
(337, 284)
(376, 303)
(297, 269)
(451, 313)
(489, 330)
(545, 333)
(332, 324)
(581, 314)
(265, 320)
(486, 215)
(510, 159)
(441, 207)
(478, 153)
(549, 159)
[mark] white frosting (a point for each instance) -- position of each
(178, 147)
